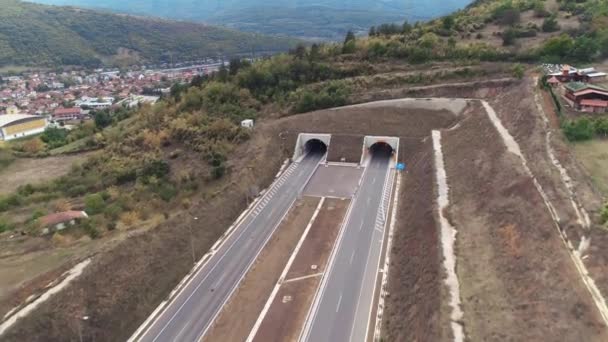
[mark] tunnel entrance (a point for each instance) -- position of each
(315, 146)
(311, 143)
(381, 149)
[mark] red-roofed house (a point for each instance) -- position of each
(64, 114)
(59, 221)
(553, 81)
(586, 97)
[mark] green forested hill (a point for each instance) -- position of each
(32, 34)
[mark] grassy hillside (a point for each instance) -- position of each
(500, 30)
(32, 34)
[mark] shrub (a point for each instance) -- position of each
(155, 168)
(130, 218)
(166, 191)
(94, 204)
(33, 146)
(333, 94)
(578, 130)
(604, 214)
(550, 24)
(113, 211)
(518, 71)
(218, 172)
(5, 225)
(89, 227)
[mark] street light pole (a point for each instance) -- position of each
(192, 242)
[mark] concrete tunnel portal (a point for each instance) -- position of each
(380, 146)
(311, 143)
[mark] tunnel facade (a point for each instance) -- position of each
(311, 142)
(380, 144)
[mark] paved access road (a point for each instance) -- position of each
(343, 306)
(189, 315)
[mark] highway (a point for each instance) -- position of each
(343, 305)
(191, 312)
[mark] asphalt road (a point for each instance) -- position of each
(343, 306)
(187, 318)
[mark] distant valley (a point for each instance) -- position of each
(315, 20)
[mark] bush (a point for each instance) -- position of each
(578, 130)
(218, 172)
(155, 168)
(55, 137)
(604, 214)
(5, 225)
(166, 191)
(333, 94)
(89, 227)
(518, 71)
(113, 211)
(94, 204)
(550, 24)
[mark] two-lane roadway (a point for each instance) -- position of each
(190, 314)
(343, 305)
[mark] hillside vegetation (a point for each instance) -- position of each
(499, 30)
(39, 35)
(321, 19)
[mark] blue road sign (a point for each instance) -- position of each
(401, 166)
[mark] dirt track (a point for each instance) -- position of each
(26, 171)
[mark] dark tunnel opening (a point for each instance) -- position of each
(381, 149)
(315, 146)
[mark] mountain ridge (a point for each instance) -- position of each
(40, 35)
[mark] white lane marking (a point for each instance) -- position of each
(313, 310)
(374, 180)
(361, 226)
(352, 257)
(290, 261)
(379, 230)
(339, 301)
(234, 242)
(303, 277)
(254, 259)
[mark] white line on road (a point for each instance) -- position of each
(352, 257)
(361, 226)
(339, 301)
(277, 286)
(303, 277)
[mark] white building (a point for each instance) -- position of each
(14, 126)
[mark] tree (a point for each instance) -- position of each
(509, 36)
(557, 47)
(103, 119)
(314, 53)
(235, 65)
(350, 37)
(300, 51)
(406, 27)
(578, 130)
(372, 31)
(94, 204)
(585, 49)
(448, 22)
